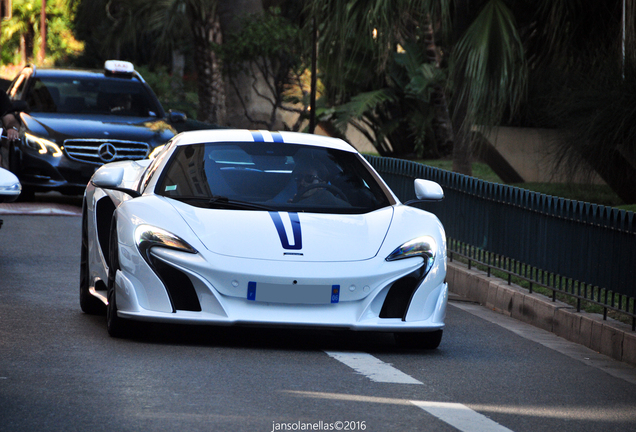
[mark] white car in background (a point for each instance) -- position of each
(238, 227)
(9, 187)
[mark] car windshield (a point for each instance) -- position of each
(106, 95)
(272, 176)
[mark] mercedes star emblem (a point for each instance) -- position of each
(107, 152)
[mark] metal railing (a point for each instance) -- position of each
(584, 251)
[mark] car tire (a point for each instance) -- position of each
(116, 326)
(26, 195)
(419, 340)
(89, 303)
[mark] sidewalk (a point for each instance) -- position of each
(38, 208)
(609, 337)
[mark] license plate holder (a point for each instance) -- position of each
(293, 293)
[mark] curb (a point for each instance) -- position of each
(609, 337)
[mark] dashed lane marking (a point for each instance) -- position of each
(457, 415)
(373, 368)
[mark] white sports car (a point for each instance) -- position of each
(231, 227)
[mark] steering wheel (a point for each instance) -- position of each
(300, 195)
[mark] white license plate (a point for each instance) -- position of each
(293, 294)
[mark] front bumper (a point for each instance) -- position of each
(47, 172)
(72, 168)
(363, 292)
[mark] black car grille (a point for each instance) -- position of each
(100, 151)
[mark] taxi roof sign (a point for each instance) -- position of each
(119, 67)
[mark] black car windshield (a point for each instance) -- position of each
(106, 95)
(272, 176)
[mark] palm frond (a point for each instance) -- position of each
(489, 66)
(364, 103)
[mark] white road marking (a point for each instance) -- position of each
(460, 417)
(373, 368)
(457, 415)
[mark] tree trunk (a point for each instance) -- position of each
(462, 149)
(42, 53)
(244, 105)
(211, 86)
(617, 172)
(442, 125)
(27, 44)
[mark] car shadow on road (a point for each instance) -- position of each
(244, 337)
(56, 198)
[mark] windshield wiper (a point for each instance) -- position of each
(218, 201)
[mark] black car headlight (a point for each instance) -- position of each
(399, 296)
(43, 146)
(178, 285)
(147, 236)
(424, 247)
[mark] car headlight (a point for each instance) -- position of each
(147, 236)
(43, 146)
(11, 189)
(424, 247)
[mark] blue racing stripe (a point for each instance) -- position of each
(280, 228)
(278, 138)
(258, 137)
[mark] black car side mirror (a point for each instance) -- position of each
(176, 117)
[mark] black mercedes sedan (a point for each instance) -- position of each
(73, 121)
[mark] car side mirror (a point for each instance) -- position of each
(176, 117)
(10, 186)
(110, 178)
(426, 191)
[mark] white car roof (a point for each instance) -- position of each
(244, 135)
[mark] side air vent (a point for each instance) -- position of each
(179, 286)
(399, 297)
(104, 210)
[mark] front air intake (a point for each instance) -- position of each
(182, 294)
(397, 300)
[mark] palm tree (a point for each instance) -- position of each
(485, 54)
(170, 21)
(591, 86)
(488, 70)
(203, 21)
(22, 31)
(24, 22)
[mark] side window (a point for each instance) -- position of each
(186, 175)
(43, 98)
